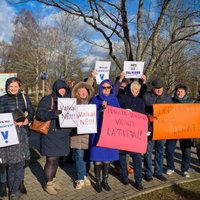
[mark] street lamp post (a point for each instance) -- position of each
(44, 77)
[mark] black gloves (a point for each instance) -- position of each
(58, 112)
(101, 111)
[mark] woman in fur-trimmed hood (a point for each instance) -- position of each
(89, 89)
(83, 92)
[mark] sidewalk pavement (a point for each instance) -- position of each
(34, 180)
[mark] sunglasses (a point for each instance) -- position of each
(107, 87)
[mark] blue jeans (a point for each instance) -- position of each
(170, 149)
(81, 163)
(158, 146)
(137, 164)
(185, 145)
(15, 176)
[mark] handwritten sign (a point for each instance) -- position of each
(175, 121)
(68, 117)
(133, 69)
(124, 130)
(8, 133)
(102, 68)
(86, 119)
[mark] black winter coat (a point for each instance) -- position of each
(136, 104)
(56, 142)
(19, 152)
(150, 98)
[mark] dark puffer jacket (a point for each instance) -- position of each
(150, 98)
(8, 103)
(81, 141)
(56, 142)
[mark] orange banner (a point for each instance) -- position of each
(176, 121)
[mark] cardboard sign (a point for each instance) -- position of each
(68, 117)
(8, 133)
(133, 69)
(102, 68)
(123, 129)
(86, 119)
(175, 121)
(3, 78)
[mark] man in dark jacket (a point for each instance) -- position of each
(157, 95)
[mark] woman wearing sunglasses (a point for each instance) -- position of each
(102, 156)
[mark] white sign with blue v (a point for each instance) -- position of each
(103, 69)
(8, 133)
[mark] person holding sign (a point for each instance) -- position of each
(101, 155)
(15, 156)
(83, 92)
(180, 96)
(132, 102)
(157, 95)
(56, 143)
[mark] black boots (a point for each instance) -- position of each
(105, 169)
(22, 188)
(3, 191)
(97, 174)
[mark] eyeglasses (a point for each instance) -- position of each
(106, 87)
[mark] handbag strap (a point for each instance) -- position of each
(25, 102)
(52, 103)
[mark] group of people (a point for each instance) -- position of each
(126, 94)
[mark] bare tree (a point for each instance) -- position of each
(113, 21)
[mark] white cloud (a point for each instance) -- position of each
(6, 16)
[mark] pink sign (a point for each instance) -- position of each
(124, 130)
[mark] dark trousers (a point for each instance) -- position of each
(185, 146)
(15, 176)
(137, 164)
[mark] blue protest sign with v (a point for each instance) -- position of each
(102, 76)
(5, 136)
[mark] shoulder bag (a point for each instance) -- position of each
(39, 126)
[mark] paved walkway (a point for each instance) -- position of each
(34, 180)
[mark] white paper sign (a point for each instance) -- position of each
(8, 133)
(86, 119)
(133, 69)
(103, 69)
(68, 117)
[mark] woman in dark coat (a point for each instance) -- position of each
(131, 101)
(180, 96)
(56, 143)
(101, 155)
(14, 156)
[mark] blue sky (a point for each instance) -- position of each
(10, 10)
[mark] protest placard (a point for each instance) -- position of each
(86, 119)
(68, 117)
(123, 129)
(103, 69)
(3, 78)
(176, 121)
(8, 131)
(133, 69)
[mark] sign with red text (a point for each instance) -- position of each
(176, 121)
(8, 133)
(133, 69)
(86, 119)
(124, 130)
(68, 117)
(103, 69)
